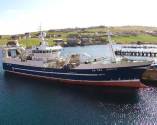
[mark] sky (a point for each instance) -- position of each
(20, 16)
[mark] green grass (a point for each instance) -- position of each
(29, 42)
(132, 39)
(34, 42)
(3, 42)
(50, 42)
(96, 30)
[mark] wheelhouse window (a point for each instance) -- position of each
(44, 51)
(9, 53)
(12, 53)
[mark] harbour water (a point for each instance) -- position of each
(27, 101)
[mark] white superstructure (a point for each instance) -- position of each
(39, 56)
(44, 52)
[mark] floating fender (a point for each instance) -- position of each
(149, 77)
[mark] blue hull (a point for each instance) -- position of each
(124, 76)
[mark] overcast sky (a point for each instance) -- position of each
(20, 16)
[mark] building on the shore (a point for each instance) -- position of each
(58, 41)
(86, 41)
(15, 37)
(73, 41)
(57, 35)
(153, 33)
(27, 35)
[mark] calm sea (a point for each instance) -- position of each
(25, 101)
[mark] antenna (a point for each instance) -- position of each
(111, 45)
(40, 26)
(41, 36)
(40, 30)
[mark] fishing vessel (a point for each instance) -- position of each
(45, 62)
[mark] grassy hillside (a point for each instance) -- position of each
(119, 37)
(145, 38)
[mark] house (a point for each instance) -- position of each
(73, 41)
(15, 37)
(153, 33)
(86, 41)
(57, 35)
(27, 35)
(59, 41)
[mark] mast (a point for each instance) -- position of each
(41, 36)
(113, 56)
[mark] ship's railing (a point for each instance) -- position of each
(140, 47)
(135, 53)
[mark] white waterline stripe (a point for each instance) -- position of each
(59, 72)
(123, 81)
